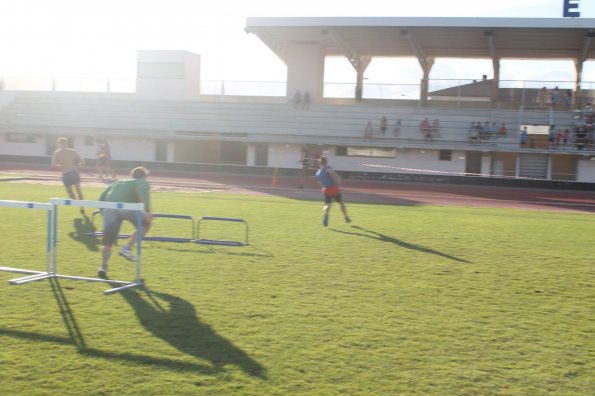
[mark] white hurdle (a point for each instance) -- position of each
(34, 275)
(138, 207)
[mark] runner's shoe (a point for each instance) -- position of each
(126, 253)
(325, 221)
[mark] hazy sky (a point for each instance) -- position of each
(99, 39)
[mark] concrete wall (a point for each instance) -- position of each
(406, 161)
(284, 155)
(168, 75)
(33, 148)
(305, 70)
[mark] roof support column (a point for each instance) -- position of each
(360, 67)
(426, 66)
(305, 70)
(496, 81)
(426, 62)
(578, 67)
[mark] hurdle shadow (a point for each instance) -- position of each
(80, 234)
(150, 361)
(205, 249)
(179, 326)
(388, 239)
(74, 332)
(224, 350)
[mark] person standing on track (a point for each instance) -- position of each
(329, 180)
(68, 161)
(104, 159)
(133, 190)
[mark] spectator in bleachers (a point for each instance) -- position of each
(397, 128)
(555, 97)
(568, 99)
(473, 133)
(580, 137)
(297, 99)
(369, 131)
(588, 111)
(558, 137)
(306, 104)
(542, 96)
(565, 136)
(479, 129)
(523, 137)
(551, 137)
(436, 128)
(426, 130)
(488, 132)
(503, 130)
(383, 125)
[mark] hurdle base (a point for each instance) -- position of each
(30, 278)
(122, 288)
(33, 275)
(218, 242)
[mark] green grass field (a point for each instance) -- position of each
(406, 300)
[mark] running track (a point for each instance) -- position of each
(401, 193)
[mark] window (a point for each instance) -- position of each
(20, 138)
(445, 155)
(366, 152)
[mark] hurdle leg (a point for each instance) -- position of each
(34, 275)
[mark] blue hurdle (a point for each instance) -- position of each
(205, 241)
(156, 238)
(33, 275)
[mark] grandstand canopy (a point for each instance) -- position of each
(433, 37)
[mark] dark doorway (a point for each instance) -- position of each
(160, 150)
(473, 163)
(261, 155)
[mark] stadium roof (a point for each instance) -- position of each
(477, 38)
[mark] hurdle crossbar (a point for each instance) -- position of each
(204, 241)
(138, 207)
(33, 275)
(155, 238)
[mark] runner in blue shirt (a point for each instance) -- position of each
(329, 180)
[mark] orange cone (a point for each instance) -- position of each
(274, 181)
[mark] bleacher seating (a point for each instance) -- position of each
(273, 122)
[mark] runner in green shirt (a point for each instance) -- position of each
(133, 190)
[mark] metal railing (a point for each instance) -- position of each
(512, 92)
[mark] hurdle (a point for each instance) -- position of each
(138, 207)
(204, 241)
(156, 238)
(33, 275)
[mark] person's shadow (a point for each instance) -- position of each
(80, 234)
(178, 325)
(385, 238)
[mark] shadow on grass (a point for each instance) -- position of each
(385, 238)
(179, 326)
(204, 249)
(81, 228)
(74, 332)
